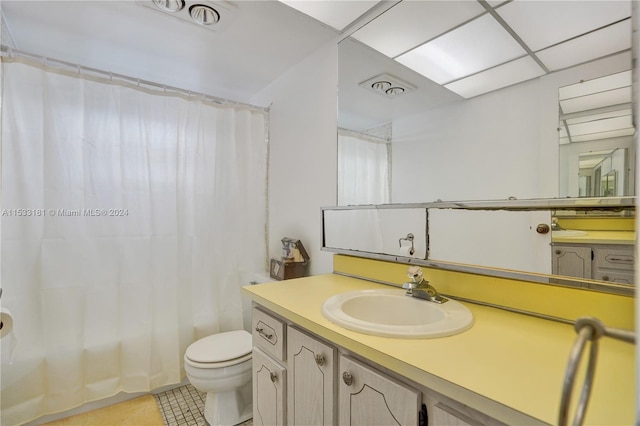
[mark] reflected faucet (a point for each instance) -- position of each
(420, 288)
(555, 226)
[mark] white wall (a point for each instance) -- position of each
(497, 145)
(303, 152)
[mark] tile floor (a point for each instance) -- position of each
(183, 406)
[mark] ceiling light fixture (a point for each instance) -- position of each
(204, 15)
(387, 85)
(213, 15)
(169, 5)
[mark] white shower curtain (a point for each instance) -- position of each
(130, 220)
(363, 169)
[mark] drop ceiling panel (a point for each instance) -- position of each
(600, 116)
(606, 41)
(596, 100)
(601, 126)
(411, 23)
(541, 24)
(603, 135)
(475, 46)
(496, 78)
(601, 84)
(336, 14)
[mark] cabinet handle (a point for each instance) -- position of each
(605, 278)
(320, 359)
(620, 259)
(558, 251)
(274, 377)
(261, 331)
(347, 378)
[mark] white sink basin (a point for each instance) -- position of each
(569, 233)
(390, 313)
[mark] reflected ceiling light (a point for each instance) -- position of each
(504, 75)
(541, 24)
(589, 116)
(475, 46)
(204, 15)
(594, 101)
(603, 135)
(596, 85)
(411, 23)
(169, 5)
(612, 39)
(601, 126)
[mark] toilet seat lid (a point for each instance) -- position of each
(220, 347)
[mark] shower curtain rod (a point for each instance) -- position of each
(377, 139)
(11, 53)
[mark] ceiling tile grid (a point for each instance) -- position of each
(456, 41)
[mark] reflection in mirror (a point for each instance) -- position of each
(594, 246)
(364, 163)
(480, 118)
(596, 131)
(486, 107)
(590, 243)
(380, 231)
(496, 239)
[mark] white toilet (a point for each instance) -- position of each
(220, 365)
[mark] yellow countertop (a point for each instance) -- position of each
(505, 359)
(599, 237)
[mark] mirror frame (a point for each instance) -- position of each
(608, 204)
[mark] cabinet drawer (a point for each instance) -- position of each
(614, 276)
(614, 258)
(268, 334)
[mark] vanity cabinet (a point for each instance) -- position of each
(311, 380)
(613, 263)
(269, 373)
(368, 397)
(571, 261)
(269, 378)
(301, 379)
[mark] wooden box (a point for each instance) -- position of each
(294, 262)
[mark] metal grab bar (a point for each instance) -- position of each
(588, 328)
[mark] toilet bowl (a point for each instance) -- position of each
(220, 366)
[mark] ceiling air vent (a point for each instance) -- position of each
(387, 85)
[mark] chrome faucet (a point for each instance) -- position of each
(555, 226)
(420, 288)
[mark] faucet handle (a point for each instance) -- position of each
(415, 273)
(409, 286)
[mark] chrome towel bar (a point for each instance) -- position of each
(588, 328)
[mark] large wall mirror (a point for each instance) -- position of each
(477, 100)
(576, 242)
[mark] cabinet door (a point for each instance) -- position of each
(369, 398)
(572, 261)
(310, 380)
(268, 390)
